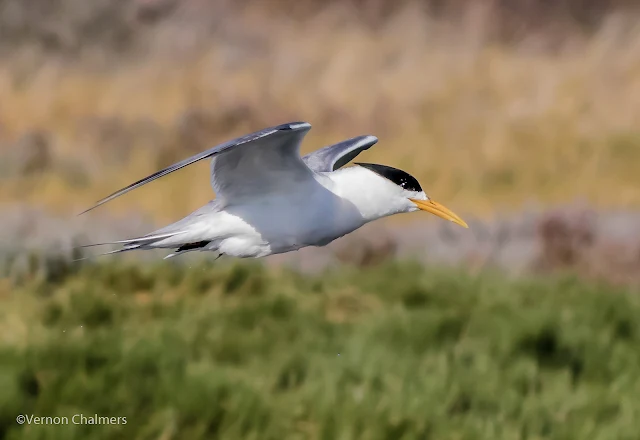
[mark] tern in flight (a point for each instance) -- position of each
(269, 200)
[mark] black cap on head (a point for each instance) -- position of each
(399, 177)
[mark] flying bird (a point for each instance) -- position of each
(269, 200)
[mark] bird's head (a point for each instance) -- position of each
(402, 192)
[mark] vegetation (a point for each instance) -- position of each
(233, 350)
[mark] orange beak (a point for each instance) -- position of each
(439, 210)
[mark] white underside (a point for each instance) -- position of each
(312, 212)
(237, 231)
(278, 229)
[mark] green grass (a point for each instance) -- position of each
(395, 352)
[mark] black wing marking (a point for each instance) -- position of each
(335, 156)
(192, 246)
(292, 126)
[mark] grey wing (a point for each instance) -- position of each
(273, 166)
(335, 156)
(285, 136)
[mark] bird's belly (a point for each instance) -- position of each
(246, 237)
(245, 246)
(260, 245)
(334, 232)
(326, 227)
(275, 228)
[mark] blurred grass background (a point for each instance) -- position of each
(506, 111)
(393, 352)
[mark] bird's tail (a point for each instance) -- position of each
(192, 233)
(182, 241)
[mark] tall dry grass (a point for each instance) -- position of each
(483, 124)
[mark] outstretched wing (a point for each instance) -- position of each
(335, 156)
(259, 161)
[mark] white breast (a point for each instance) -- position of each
(310, 216)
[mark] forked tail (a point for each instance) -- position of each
(179, 241)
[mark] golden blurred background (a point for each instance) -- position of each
(490, 104)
